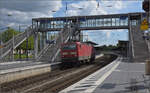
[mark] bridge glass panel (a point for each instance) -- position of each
(121, 22)
(61, 24)
(57, 24)
(88, 23)
(133, 22)
(41, 25)
(85, 23)
(102, 22)
(48, 24)
(54, 24)
(97, 22)
(51, 24)
(126, 23)
(38, 24)
(108, 22)
(117, 21)
(113, 22)
(92, 23)
(35, 24)
(82, 23)
(105, 24)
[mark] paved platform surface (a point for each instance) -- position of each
(11, 65)
(120, 76)
(20, 66)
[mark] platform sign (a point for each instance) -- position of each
(144, 25)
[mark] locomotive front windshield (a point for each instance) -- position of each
(69, 47)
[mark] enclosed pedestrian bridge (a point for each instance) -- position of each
(95, 22)
(130, 21)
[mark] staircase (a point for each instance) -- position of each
(51, 53)
(18, 39)
(139, 46)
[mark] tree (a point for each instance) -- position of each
(8, 34)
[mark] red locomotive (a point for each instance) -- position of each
(75, 53)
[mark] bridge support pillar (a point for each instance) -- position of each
(41, 41)
(35, 45)
(44, 39)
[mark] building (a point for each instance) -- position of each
(123, 46)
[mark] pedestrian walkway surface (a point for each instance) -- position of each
(10, 65)
(121, 76)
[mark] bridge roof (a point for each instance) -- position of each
(90, 16)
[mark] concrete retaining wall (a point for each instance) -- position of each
(23, 74)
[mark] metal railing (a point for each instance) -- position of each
(53, 50)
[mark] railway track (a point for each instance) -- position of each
(55, 81)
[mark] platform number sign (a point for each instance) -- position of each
(144, 25)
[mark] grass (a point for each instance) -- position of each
(16, 56)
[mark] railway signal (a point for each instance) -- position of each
(145, 5)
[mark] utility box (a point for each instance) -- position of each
(147, 67)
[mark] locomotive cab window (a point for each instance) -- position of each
(69, 47)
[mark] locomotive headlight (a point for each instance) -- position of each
(73, 53)
(65, 53)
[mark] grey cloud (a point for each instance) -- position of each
(22, 11)
(31, 5)
(88, 8)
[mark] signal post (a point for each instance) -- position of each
(146, 26)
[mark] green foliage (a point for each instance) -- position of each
(16, 56)
(8, 34)
(107, 48)
(30, 44)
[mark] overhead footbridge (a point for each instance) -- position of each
(129, 21)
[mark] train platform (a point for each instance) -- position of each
(11, 71)
(121, 76)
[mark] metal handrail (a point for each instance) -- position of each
(52, 50)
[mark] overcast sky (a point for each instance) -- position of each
(22, 12)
